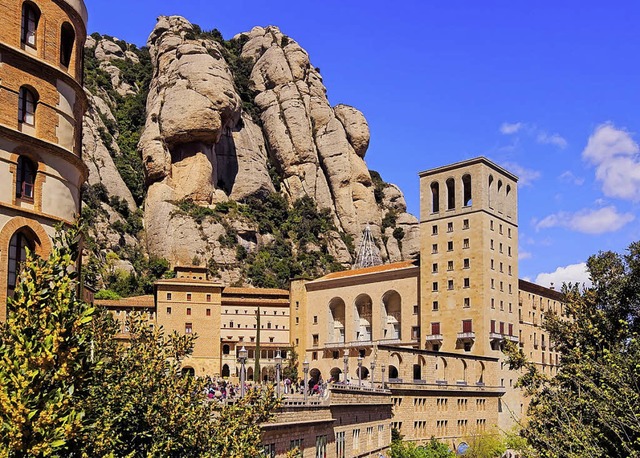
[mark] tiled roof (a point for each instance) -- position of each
(369, 270)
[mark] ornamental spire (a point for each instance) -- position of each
(368, 254)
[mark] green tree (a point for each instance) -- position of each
(592, 406)
(433, 449)
(45, 353)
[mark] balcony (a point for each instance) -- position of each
(497, 337)
(466, 336)
(434, 338)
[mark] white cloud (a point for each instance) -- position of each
(573, 273)
(553, 139)
(523, 255)
(525, 176)
(606, 219)
(617, 159)
(569, 177)
(510, 128)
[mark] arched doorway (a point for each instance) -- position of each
(336, 374)
(190, 371)
(225, 371)
(391, 309)
(363, 317)
(365, 372)
(393, 373)
(315, 374)
(336, 320)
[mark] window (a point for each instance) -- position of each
(188, 311)
(450, 246)
(434, 267)
(25, 178)
(509, 251)
(67, 38)
(493, 303)
(189, 297)
(465, 263)
(501, 268)
(434, 248)
(450, 284)
(434, 229)
(435, 197)
(435, 329)
(209, 299)
(315, 340)
(434, 286)
(451, 194)
(491, 224)
(415, 333)
(435, 305)
(168, 296)
(467, 326)
(269, 450)
(465, 243)
(492, 265)
(465, 224)
(340, 445)
(467, 302)
(466, 282)
(501, 247)
(493, 326)
(356, 439)
(449, 227)
(17, 256)
(296, 444)
(168, 310)
(226, 349)
(30, 18)
(493, 286)
(188, 328)
(509, 232)
(466, 190)
(491, 244)
(315, 319)
(500, 229)
(321, 446)
(501, 286)
(415, 309)
(27, 101)
(449, 265)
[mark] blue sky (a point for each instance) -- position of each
(548, 89)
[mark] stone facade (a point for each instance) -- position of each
(41, 106)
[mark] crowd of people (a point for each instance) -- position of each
(222, 389)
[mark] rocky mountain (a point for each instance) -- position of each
(229, 154)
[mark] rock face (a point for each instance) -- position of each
(231, 123)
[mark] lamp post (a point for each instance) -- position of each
(278, 359)
(242, 358)
(305, 369)
(373, 367)
(345, 360)
(359, 371)
(382, 368)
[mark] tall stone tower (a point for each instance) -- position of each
(468, 257)
(41, 106)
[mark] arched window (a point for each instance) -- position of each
(26, 177)
(466, 190)
(451, 194)
(18, 244)
(67, 39)
(30, 18)
(490, 190)
(225, 371)
(27, 106)
(435, 197)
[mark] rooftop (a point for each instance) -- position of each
(368, 270)
(145, 301)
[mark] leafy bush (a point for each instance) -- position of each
(107, 294)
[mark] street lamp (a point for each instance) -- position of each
(242, 358)
(305, 369)
(345, 360)
(278, 359)
(382, 368)
(359, 371)
(373, 367)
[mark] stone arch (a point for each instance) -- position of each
(363, 306)
(365, 372)
(435, 197)
(393, 372)
(463, 371)
(441, 369)
(41, 245)
(30, 19)
(466, 190)
(67, 42)
(391, 315)
(418, 368)
(336, 321)
(451, 193)
(480, 373)
(40, 176)
(490, 191)
(335, 374)
(225, 371)
(315, 374)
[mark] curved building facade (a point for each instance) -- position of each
(42, 102)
